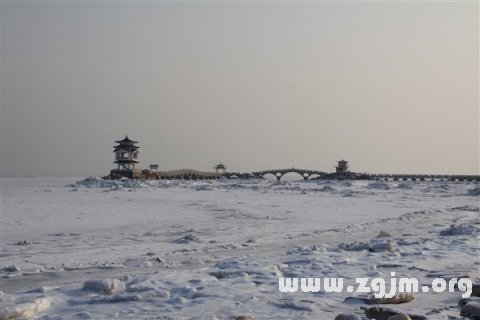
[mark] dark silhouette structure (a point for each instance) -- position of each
(342, 166)
(126, 154)
(279, 173)
(220, 168)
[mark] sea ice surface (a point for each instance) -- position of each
(76, 248)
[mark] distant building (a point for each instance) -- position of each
(126, 153)
(220, 168)
(342, 166)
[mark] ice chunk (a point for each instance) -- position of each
(105, 286)
(459, 230)
(24, 310)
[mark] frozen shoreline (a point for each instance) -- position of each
(216, 249)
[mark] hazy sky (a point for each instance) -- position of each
(391, 87)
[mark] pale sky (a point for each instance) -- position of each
(391, 87)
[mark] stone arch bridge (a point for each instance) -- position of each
(279, 173)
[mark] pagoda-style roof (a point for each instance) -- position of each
(125, 147)
(126, 140)
(125, 161)
(125, 144)
(220, 166)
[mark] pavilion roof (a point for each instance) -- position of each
(126, 140)
(125, 161)
(125, 147)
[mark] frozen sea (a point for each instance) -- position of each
(75, 248)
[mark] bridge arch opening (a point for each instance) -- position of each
(292, 176)
(313, 176)
(270, 176)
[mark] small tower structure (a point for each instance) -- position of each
(126, 153)
(342, 166)
(220, 168)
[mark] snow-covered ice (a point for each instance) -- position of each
(77, 248)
